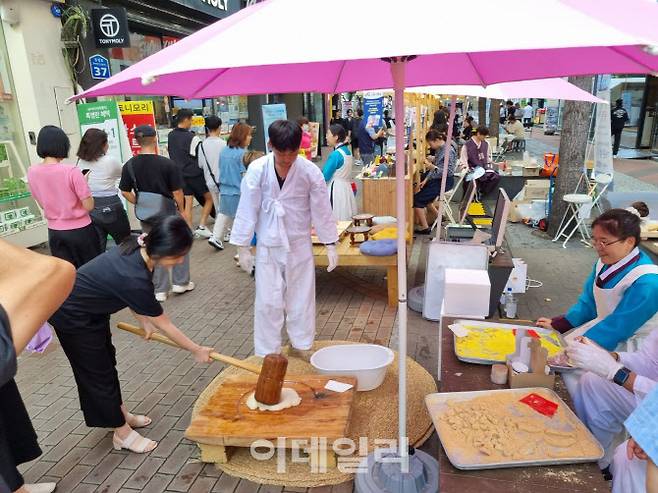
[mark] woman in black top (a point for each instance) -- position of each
(120, 278)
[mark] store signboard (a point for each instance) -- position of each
(272, 113)
(134, 114)
(216, 8)
(373, 108)
(110, 27)
(103, 115)
(99, 66)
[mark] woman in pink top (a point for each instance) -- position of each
(62, 192)
(307, 138)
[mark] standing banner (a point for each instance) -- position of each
(272, 113)
(103, 115)
(134, 114)
(602, 137)
(314, 128)
(373, 108)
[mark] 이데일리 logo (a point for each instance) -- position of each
(109, 25)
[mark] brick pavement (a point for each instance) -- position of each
(163, 382)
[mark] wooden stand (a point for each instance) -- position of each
(359, 218)
(358, 230)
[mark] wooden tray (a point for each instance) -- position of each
(437, 405)
(341, 226)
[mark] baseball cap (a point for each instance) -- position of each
(145, 131)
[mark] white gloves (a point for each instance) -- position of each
(246, 259)
(591, 357)
(332, 256)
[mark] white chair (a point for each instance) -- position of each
(579, 208)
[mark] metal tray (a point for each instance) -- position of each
(436, 404)
(493, 325)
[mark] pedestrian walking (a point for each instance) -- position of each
(307, 138)
(64, 195)
(148, 173)
(618, 119)
(368, 136)
(231, 171)
(528, 113)
(183, 145)
(103, 172)
(120, 278)
(209, 151)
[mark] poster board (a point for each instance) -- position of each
(104, 115)
(314, 128)
(272, 113)
(134, 114)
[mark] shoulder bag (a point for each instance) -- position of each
(150, 205)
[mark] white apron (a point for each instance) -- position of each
(606, 301)
(340, 190)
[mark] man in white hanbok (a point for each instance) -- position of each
(612, 388)
(281, 197)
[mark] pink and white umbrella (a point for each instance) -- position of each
(543, 88)
(301, 46)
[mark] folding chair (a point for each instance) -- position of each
(579, 208)
(447, 198)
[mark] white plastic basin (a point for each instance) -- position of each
(366, 362)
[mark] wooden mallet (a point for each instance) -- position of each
(270, 375)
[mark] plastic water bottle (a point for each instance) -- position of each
(510, 304)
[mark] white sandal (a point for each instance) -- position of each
(133, 442)
(138, 420)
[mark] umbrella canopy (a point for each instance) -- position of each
(266, 48)
(543, 88)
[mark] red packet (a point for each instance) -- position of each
(530, 332)
(541, 405)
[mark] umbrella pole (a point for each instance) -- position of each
(398, 73)
(446, 160)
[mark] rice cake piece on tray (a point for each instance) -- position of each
(493, 429)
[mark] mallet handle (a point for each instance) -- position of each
(214, 355)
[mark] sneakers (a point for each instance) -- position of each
(202, 232)
(178, 289)
(216, 243)
(227, 235)
(161, 297)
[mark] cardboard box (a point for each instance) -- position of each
(536, 189)
(531, 170)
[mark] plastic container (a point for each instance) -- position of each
(510, 304)
(366, 362)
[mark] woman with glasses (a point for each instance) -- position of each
(619, 302)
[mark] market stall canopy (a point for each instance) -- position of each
(266, 48)
(542, 88)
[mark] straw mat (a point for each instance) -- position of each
(374, 415)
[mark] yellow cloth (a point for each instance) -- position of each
(390, 233)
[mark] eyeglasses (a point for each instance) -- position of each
(605, 244)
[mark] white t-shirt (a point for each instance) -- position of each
(103, 176)
(210, 149)
(527, 111)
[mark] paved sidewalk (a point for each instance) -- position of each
(165, 383)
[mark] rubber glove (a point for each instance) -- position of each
(591, 357)
(332, 256)
(246, 259)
